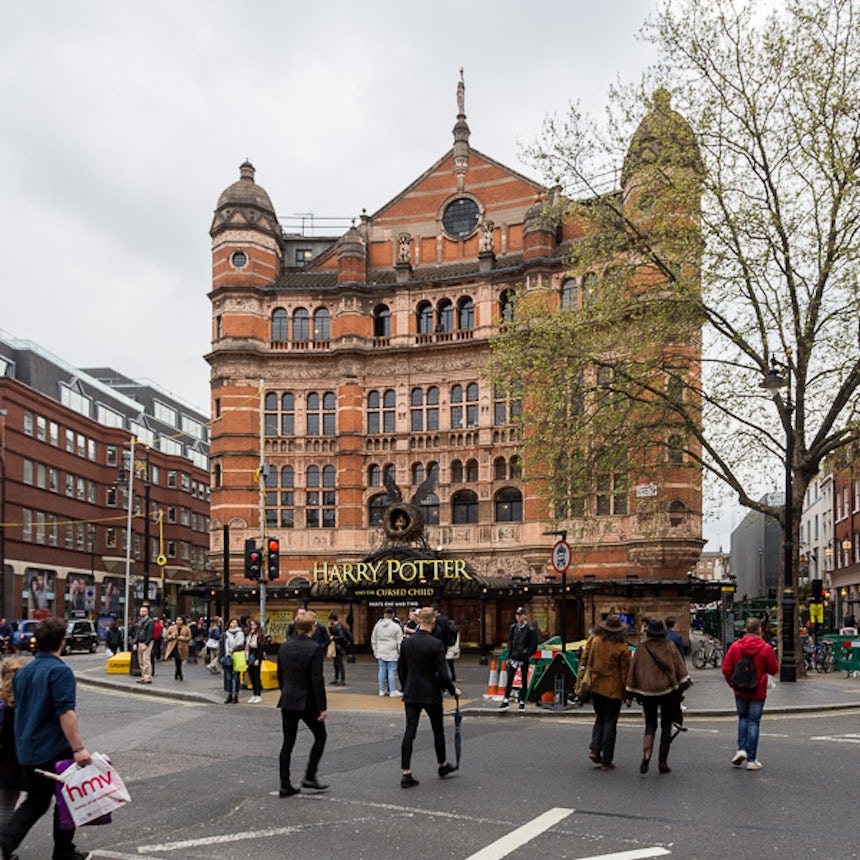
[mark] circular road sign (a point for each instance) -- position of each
(561, 556)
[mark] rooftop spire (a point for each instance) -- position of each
(461, 136)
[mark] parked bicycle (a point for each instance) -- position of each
(819, 657)
(709, 653)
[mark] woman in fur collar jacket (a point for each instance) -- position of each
(657, 678)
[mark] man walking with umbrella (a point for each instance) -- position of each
(423, 675)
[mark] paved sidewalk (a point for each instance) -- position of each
(709, 695)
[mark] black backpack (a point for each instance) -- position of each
(744, 677)
(448, 631)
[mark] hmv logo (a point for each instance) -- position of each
(90, 786)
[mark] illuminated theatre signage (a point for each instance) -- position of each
(391, 577)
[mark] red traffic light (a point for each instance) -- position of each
(273, 566)
(274, 544)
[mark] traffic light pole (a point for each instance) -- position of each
(262, 471)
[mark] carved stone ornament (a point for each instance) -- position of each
(404, 245)
(486, 243)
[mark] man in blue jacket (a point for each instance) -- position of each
(46, 731)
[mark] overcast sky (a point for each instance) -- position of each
(123, 122)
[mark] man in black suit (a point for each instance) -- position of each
(423, 675)
(300, 677)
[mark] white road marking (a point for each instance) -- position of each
(635, 854)
(517, 838)
(838, 739)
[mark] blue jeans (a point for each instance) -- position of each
(387, 675)
(749, 717)
(231, 682)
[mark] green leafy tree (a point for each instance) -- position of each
(737, 219)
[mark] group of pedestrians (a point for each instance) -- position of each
(656, 676)
(418, 658)
(388, 636)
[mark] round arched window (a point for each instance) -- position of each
(460, 217)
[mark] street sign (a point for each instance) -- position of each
(561, 556)
(90, 597)
(646, 491)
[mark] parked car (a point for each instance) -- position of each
(81, 636)
(22, 632)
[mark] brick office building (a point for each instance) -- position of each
(65, 434)
(370, 355)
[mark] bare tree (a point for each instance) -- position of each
(736, 217)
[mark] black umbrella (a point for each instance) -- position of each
(458, 741)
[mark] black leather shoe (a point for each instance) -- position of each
(445, 769)
(313, 783)
(289, 791)
(407, 780)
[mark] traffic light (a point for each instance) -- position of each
(253, 560)
(817, 590)
(273, 565)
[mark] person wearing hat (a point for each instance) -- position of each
(656, 679)
(609, 656)
(522, 643)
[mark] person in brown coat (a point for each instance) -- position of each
(178, 637)
(610, 661)
(656, 679)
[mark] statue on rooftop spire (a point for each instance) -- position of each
(461, 95)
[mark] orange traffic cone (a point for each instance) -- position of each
(493, 683)
(503, 680)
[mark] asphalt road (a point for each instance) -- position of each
(203, 779)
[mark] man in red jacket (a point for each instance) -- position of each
(750, 703)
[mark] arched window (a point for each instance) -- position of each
(430, 509)
(445, 316)
(376, 508)
(456, 472)
(589, 288)
(425, 318)
(381, 321)
(677, 512)
(676, 449)
(288, 414)
(516, 468)
(457, 407)
(465, 313)
(417, 474)
(389, 401)
(500, 469)
(509, 506)
(569, 294)
(374, 476)
(506, 307)
(464, 507)
(322, 324)
(389, 472)
(372, 413)
(280, 324)
(287, 517)
(287, 477)
(320, 506)
(417, 412)
(329, 416)
(472, 404)
(301, 325)
(471, 471)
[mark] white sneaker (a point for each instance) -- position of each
(256, 700)
(251, 700)
(739, 758)
(383, 693)
(755, 764)
(396, 693)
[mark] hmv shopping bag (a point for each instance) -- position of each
(85, 794)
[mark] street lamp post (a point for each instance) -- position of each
(777, 378)
(146, 552)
